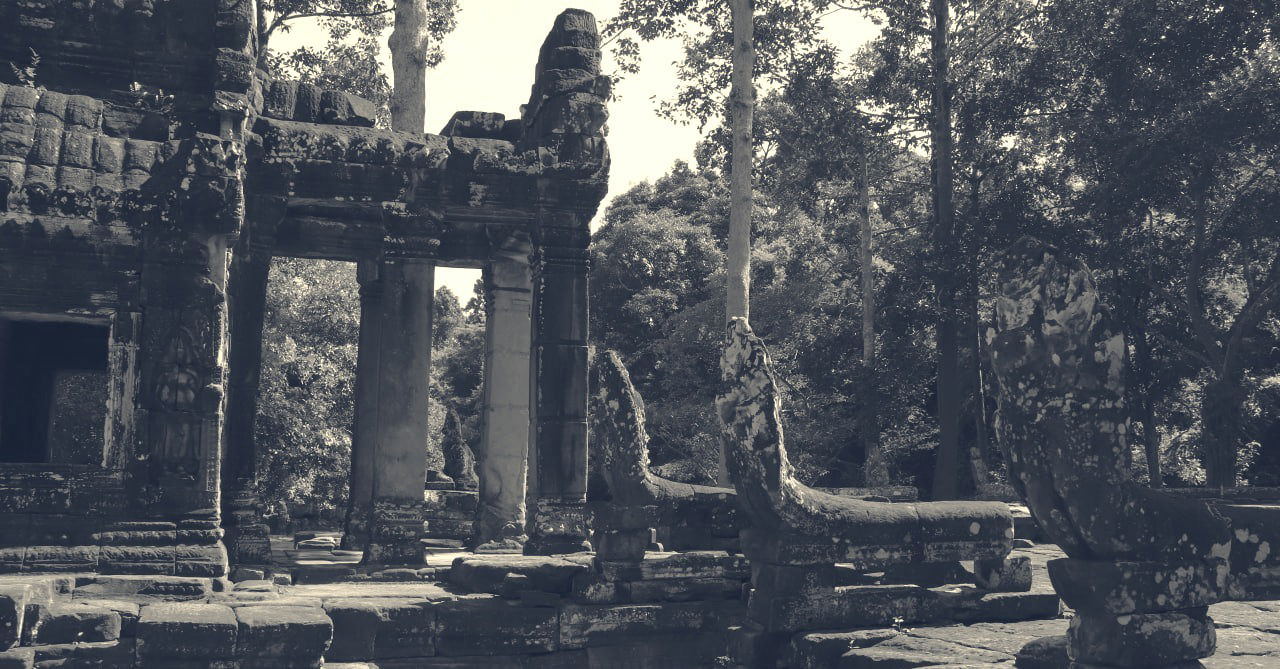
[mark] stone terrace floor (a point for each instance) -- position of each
(1248, 632)
(1248, 636)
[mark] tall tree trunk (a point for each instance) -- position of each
(741, 106)
(981, 439)
(1145, 407)
(741, 101)
(1221, 411)
(945, 474)
(408, 44)
(875, 472)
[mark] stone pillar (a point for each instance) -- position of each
(504, 454)
(365, 430)
(404, 381)
(559, 382)
(248, 539)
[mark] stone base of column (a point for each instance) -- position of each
(559, 527)
(248, 539)
(1140, 614)
(355, 536)
(395, 537)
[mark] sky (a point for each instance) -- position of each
(489, 63)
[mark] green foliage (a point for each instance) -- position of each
(305, 394)
(306, 389)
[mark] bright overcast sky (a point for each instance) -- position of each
(488, 66)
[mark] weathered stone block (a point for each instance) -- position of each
(75, 623)
(494, 628)
(406, 628)
(683, 589)
(299, 634)
(1048, 652)
(355, 628)
(1142, 639)
(1138, 587)
(172, 631)
(622, 545)
(861, 606)
(13, 604)
(128, 612)
(584, 625)
(18, 658)
(104, 655)
(1012, 574)
(548, 574)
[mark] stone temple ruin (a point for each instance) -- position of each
(151, 173)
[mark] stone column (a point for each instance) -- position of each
(504, 454)
(404, 380)
(365, 430)
(248, 539)
(559, 382)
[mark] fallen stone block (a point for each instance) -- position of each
(494, 627)
(184, 630)
(296, 634)
(75, 623)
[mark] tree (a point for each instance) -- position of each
(417, 24)
(741, 104)
(348, 59)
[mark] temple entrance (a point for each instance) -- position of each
(53, 391)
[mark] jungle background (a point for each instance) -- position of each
(1140, 135)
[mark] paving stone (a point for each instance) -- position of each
(906, 650)
(295, 633)
(66, 623)
(174, 631)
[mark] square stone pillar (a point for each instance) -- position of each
(503, 463)
(399, 461)
(364, 433)
(559, 383)
(248, 538)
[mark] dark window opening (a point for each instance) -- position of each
(53, 391)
